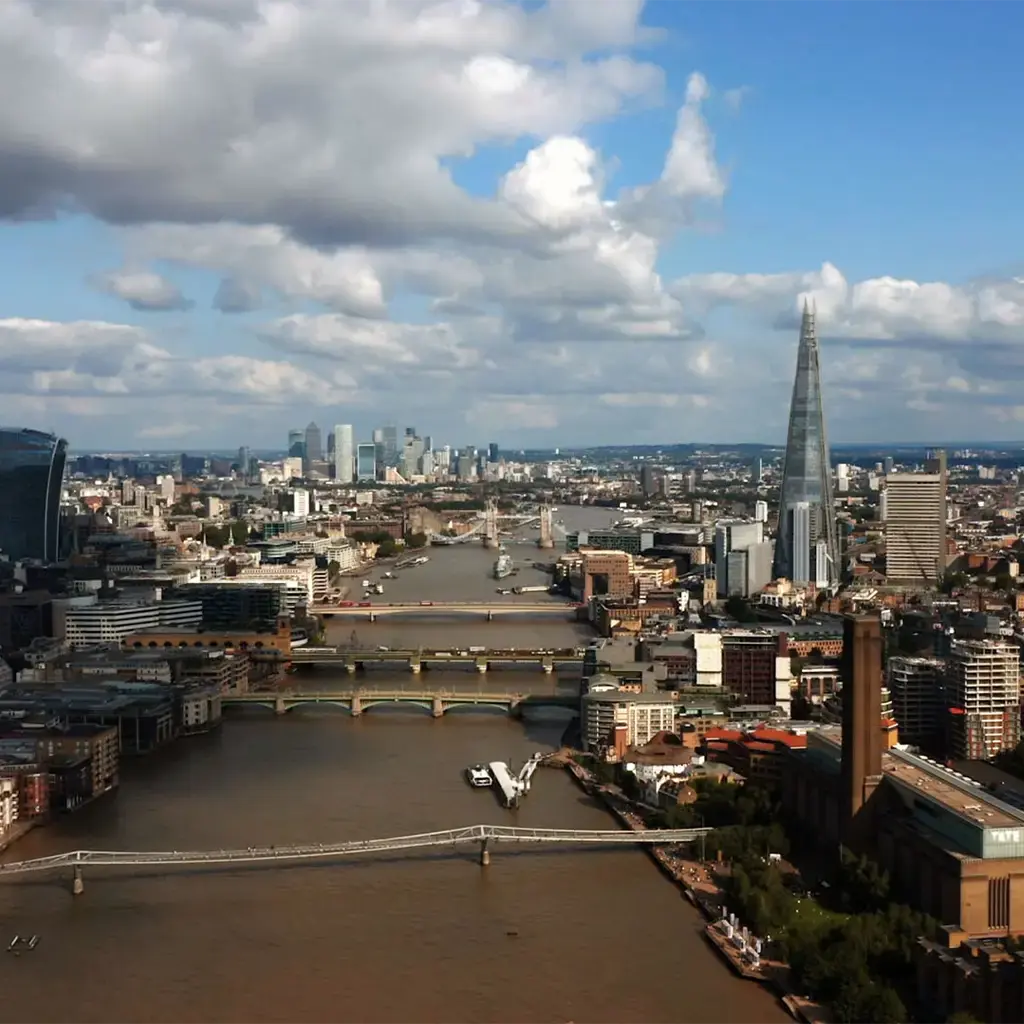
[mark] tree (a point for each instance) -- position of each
(239, 532)
(333, 569)
(739, 609)
(415, 540)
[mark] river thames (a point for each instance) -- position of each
(546, 936)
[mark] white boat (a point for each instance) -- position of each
(478, 775)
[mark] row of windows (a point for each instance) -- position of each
(228, 644)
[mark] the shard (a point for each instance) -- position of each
(807, 545)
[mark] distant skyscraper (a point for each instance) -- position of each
(806, 509)
(31, 478)
(390, 437)
(915, 527)
(492, 452)
(366, 462)
(314, 444)
(296, 444)
(344, 453)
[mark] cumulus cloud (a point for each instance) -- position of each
(142, 290)
(234, 296)
(44, 358)
(878, 311)
(336, 129)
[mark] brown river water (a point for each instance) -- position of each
(540, 935)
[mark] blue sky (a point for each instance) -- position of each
(553, 287)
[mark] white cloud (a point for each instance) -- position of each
(335, 128)
(142, 290)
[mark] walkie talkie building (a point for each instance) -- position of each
(31, 478)
(807, 545)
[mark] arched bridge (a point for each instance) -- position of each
(481, 835)
(489, 609)
(437, 702)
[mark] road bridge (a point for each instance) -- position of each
(489, 609)
(437, 702)
(416, 660)
(480, 835)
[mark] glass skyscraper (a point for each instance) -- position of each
(807, 546)
(31, 478)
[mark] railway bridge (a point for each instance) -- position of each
(480, 835)
(416, 660)
(437, 702)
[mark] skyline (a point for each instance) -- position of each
(519, 243)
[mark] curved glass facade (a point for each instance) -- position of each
(31, 477)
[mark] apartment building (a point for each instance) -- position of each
(641, 715)
(983, 697)
(915, 527)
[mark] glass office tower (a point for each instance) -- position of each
(31, 478)
(806, 512)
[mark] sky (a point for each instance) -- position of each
(579, 222)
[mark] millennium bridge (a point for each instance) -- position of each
(415, 660)
(489, 609)
(437, 702)
(480, 835)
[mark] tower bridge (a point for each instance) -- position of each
(480, 835)
(437, 702)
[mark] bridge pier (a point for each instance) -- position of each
(437, 707)
(356, 707)
(548, 664)
(485, 854)
(373, 616)
(279, 708)
(78, 883)
(350, 666)
(490, 615)
(415, 666)
(481, 665)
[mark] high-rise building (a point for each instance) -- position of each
(389, 436)
(314, 444)
(366, 462)
(31, 478)
(492, 452)
(983, 696)
(806, 510)
(648, 481)
(916, 685)
(915, 527)
(344, 453)
(296, 444)
(743, 559)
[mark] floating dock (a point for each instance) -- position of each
(506, 782)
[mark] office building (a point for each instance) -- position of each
(389, 438)
(314, 444)
(648, 480)
(983, 698)
(344, 453)
(492, 452)
(296, 444)
(31, 478)
(89, 623)
(366, 462)
(915, 527)
(916, 686)
(807, 548)
(761, 511)
(743, 559)
(233, 604)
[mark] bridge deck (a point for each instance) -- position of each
(321, 851)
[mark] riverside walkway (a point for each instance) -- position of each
(480, 835)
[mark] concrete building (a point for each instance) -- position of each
(641, 715)
(916, 686)
(983, 696)
(915, 528)
(743, 559)
(103, 622)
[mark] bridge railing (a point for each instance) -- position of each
(311, 851)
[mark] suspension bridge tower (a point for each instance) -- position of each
(491, 524)
(546, 539)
